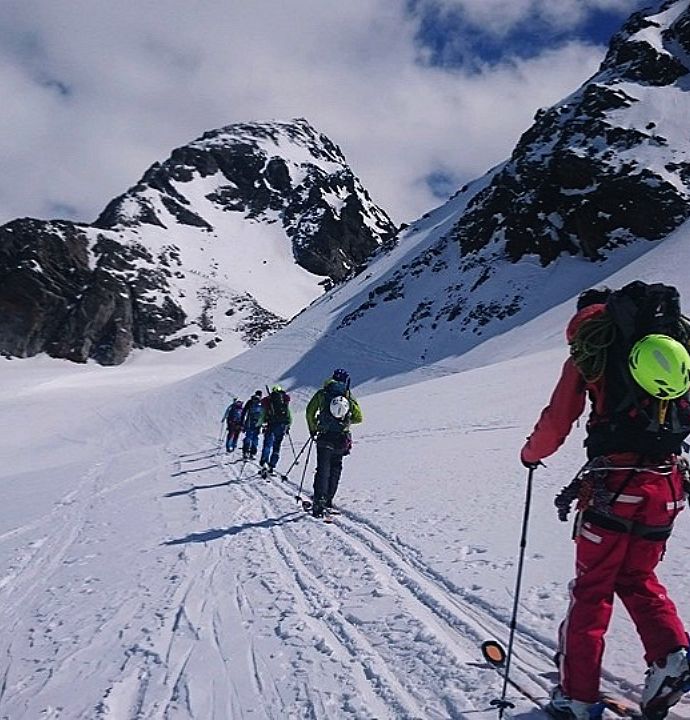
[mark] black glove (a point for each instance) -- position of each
(531, 465)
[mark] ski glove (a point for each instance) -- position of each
(531, 465)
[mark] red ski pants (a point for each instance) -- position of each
(609, 562)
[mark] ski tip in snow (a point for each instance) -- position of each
(621, 706)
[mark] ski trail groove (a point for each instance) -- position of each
(466, 617)
(433, 687)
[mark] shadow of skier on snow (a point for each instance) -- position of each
(216, 533)
(188, 491)
(194, 470)
(225, 483)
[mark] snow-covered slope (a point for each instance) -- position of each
(144, 575)
(225, 241)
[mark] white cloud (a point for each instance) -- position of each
(95, 91)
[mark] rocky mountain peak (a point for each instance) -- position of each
(231, 235)
(652, 47)
(264, 171)
(595, 170)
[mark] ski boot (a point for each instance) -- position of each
(665, 683)
(317, 508)
(564, 708)
(330, 509)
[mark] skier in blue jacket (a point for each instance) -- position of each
(252, 420)
(278, 418)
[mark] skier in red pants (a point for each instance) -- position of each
(629, 493)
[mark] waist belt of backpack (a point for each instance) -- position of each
(623, 525)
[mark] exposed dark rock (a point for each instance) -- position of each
(141, 213)
(182, 215)
(57, 297)
(634, 59)
(278, 175)
(574, 184)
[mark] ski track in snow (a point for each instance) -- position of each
(266, 614)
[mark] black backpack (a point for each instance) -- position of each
(253, 412)
(235, 411)
(278, 410)
(327, 422)
(635, 421)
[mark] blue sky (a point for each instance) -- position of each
(456, 41)
(422, 95)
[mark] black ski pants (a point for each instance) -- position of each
(329, 465)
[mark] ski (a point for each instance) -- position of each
(621, 706)
(495, 655)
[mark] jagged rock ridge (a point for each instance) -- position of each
(600, 169)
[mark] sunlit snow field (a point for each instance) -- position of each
(144, 574)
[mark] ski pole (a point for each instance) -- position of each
(296, 460)
(292, 445)
(298, 497)
(501, 702)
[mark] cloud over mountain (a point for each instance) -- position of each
(98, 90)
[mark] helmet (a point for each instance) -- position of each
(276, 388)
(660, 365)
(258, 393)
(339, 407)
(341, 375)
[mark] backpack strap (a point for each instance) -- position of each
(623, 525)
(625, 483)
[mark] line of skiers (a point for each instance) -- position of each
(269, 414)
(329, 414)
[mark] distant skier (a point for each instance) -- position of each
(277, 418)
(233, 420)
(629, 356)
(252, 420)
(330, 412)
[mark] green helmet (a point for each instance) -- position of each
(276, 388)
(660, 366)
